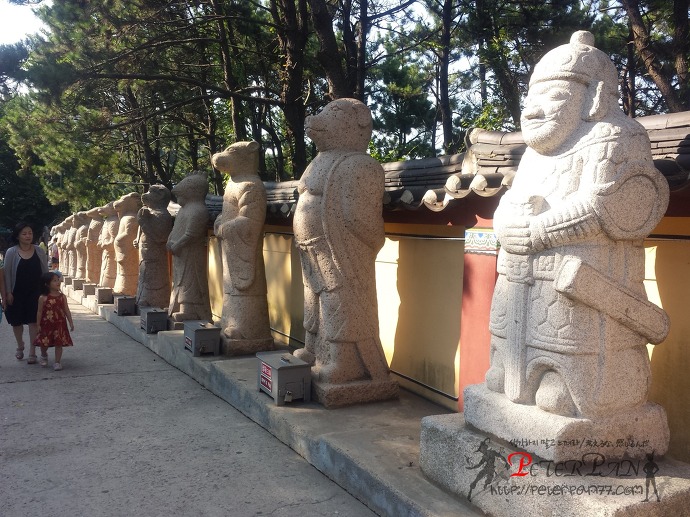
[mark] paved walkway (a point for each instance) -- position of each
(121, 432)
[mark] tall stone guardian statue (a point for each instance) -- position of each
(338, 228)
(93, 253)
(246, 328)
(188, 244)
(155, 224)
(570, 319)
(81, 223)
(106, 242)
(126, 255)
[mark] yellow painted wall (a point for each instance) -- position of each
(285, 291)
(215, 277)
(667, 281)
(419, 285)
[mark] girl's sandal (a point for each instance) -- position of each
(20, 354)
(32, 359)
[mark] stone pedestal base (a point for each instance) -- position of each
(89, 289)
(467, 462)
(175, 325)
(104, 295)
(231, 347)
(350, 393)
(633, 434)
(78, 284)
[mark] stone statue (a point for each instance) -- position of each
(106, 242)
(60, 230)
(338, 228)
(81, 223)
(188, 244)
(70, 248)
(246, 328)
(155, 224)
(93, 253)
(126, 254)
(570, 318)
(63, 245)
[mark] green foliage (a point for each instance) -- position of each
(22, 197)
(120, 94)
(74, 167)
(12, 57)
(404, 117)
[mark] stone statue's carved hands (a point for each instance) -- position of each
(516, 236)
(521, 236)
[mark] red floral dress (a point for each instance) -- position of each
(52, 330)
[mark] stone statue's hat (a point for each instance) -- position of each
(578, 61)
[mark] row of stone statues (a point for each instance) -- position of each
(124, 245)
(338, 231)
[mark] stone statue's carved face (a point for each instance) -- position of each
(240, 157)
(193, 187)
(342, 124)
(81, 219)
(128, 203)
(107, 210)
(156, 197)
(553, 111)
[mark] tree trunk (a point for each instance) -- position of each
(360, 71)
(329, 55)
(681, 38)
(225, 35)
(649, 57)
(449, 143)
(291, 18)
(628, 79)
(141, 134)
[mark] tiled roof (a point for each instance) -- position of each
(485, 170)
(670, 139)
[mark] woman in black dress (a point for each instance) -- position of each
(24, 265)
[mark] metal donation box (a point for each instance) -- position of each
(153, 320)
(284, 377)
(201, 337)
(125, 305)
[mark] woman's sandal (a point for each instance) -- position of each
(32, 359)
(20, 354)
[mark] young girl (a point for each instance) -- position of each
(53, 315)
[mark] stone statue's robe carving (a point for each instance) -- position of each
(246, 327)
(155, 224)
(81, 221)
(188, 244)
(106, 242)
(338, 229)
(126, 255)
(93, 252)
(570, 319)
